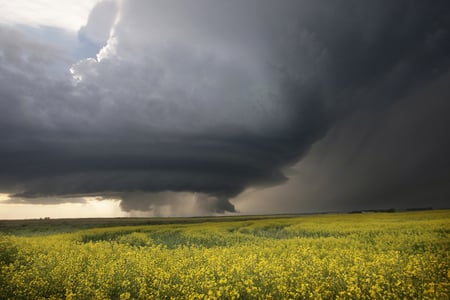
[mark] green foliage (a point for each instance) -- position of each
(8, 250)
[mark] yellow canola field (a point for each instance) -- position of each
(340, 256)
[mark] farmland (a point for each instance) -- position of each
(332, 256)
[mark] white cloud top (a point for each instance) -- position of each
(65, 14)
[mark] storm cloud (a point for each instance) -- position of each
(214, 97)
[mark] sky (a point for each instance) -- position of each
(116, 108)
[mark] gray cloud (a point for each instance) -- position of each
(43, 200)
(99, 24)
(173, 204)
(215, 97)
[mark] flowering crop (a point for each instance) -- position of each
(358, 256)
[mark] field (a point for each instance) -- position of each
(333, 256)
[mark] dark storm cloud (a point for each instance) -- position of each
(213, 97)
(173, 203)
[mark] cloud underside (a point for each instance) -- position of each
(212, 101)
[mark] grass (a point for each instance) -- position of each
(32, 227)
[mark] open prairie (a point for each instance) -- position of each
(332, 256)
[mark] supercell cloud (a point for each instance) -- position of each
(209, 98)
